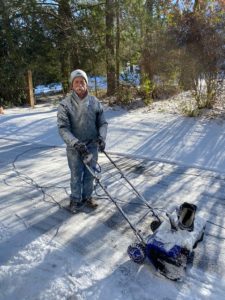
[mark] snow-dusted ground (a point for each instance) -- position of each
(47, 253)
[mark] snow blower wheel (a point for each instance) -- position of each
(137, 253)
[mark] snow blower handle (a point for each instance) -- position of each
(86, 156)
(131, 185)
(101, 144)
(135, 230)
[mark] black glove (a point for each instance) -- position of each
(101, 144)
(81, 148)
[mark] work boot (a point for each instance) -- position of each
(75, 206)
(90, 202)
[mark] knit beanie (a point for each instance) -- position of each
(78, 73)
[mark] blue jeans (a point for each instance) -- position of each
(81, 180)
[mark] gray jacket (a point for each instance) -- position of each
(81, 120)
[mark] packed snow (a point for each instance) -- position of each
(48, 253)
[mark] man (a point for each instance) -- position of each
(82, 126)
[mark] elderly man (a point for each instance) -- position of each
(83, 127)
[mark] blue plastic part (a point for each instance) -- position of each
(137, 253)
(156, 249)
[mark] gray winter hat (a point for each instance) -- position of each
(78, 73)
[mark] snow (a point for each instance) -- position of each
(51, 88)
(47, 253)
(182, 238)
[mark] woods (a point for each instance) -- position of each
(176, 44)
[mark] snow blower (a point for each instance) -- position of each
(171, 245)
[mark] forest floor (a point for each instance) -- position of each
(179, 104)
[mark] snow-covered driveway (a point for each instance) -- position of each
(47, 253)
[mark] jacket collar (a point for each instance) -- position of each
(78, 99)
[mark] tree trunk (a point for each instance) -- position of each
(64, 13)
(117, 43)
(110, 46)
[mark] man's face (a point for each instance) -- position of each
(80, 86)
